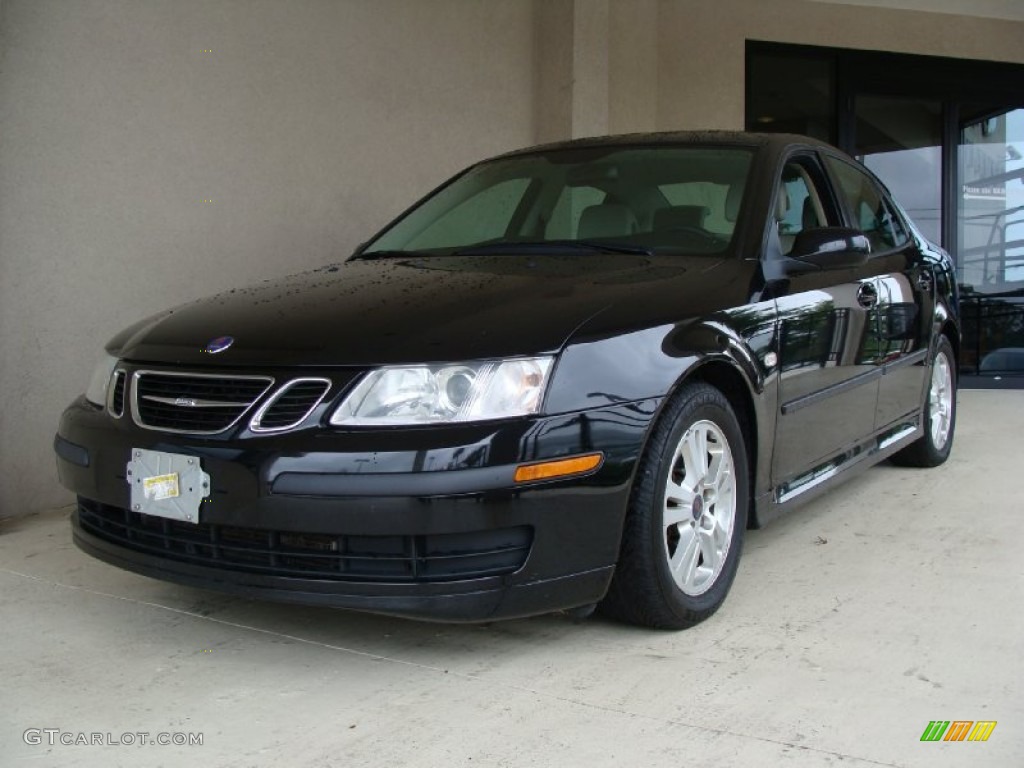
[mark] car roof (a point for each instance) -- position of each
(776, 141)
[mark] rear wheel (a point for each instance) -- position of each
(932, 448)
(687, 513)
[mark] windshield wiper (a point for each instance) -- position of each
(371, 255)
(533, 246)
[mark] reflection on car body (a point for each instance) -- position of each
(572, 375)
(1003, 360)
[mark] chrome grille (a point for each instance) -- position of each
(290, 405)
(115, 402)
(196, 403)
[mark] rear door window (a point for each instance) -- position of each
(867, 206)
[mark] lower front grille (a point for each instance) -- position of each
(402, 559)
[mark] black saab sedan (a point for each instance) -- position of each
(572, 375)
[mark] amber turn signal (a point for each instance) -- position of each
(545, 470)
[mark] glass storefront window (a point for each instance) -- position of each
(990, 239)
(991, 216)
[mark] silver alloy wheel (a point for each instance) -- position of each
(699, 508)
(940, 401)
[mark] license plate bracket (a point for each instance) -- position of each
(170, 485)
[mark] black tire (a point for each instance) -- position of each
(643, 590)
(925, 452)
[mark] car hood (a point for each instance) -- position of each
(409, 310)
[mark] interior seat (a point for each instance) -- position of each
(809, 217)
(733, 198)
(680, 217)
(606, 220)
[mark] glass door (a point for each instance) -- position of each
(990, 239)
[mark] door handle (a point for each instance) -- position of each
(924, 280)
(867, 295)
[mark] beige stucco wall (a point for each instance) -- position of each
(308, 124)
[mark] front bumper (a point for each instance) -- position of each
(425, 523)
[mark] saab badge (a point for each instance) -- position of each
(219, 344)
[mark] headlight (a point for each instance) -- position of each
(430, 394)
(97, 391)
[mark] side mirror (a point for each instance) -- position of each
(831, 247)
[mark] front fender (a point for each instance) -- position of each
(733, 349)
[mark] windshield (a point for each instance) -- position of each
(652, 199)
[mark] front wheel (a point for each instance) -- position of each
(687, 513)
(939, 416)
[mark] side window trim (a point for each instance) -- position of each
(842, 204)
(835, 210)
(896, 211)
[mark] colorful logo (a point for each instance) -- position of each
(958, 730)
(219, 344)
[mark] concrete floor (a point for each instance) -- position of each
(895, 600)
